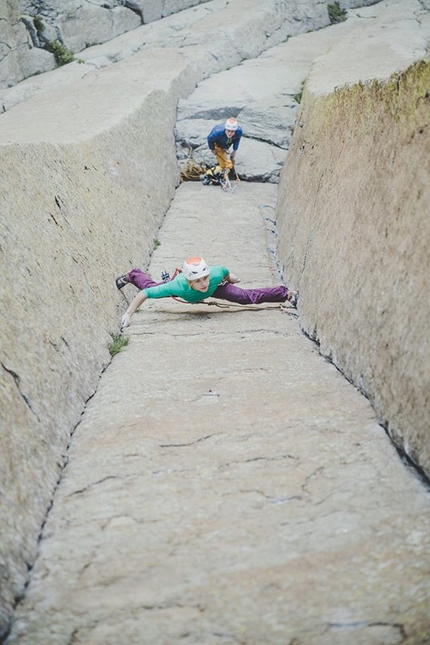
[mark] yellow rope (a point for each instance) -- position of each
(226, 305)
(191, 170)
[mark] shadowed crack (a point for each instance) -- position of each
(271, 500)
(135, 8)
(282, 500)
(100, 481)
(253, 459)
(129, 516)
(268, 141)
(17, 380)
(308, 479)
(212, 114)
(358, 624)
(224, 635)
(182, 445)
(231, 637)
(171, 605)
(280, 457)
(72, 638)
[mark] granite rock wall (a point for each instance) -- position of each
(354, 239)
(28, 28)
(74, 216)
(87, 170)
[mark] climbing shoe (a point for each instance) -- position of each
(293, 298)
(121, 281)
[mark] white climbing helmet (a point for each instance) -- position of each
(231, 124)
(195, 268)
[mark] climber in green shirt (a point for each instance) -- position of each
(196, 282)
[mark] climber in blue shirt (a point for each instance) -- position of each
(221, 138)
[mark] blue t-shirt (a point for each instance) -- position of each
(218, 136)
(179, 286)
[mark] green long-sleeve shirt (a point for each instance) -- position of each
(179, 286)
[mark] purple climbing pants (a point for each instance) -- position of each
(227, 291)
(141, 280)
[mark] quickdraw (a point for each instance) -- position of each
(226, 183)
(165, 276)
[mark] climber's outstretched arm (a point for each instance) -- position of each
(134, 305)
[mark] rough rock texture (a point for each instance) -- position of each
(155, 9)
(353, 217)
(352, 4)
(71, 214)
(263, 94)
(19, 57)
(265, 109)
(26, 28)
(226, 483)
(87, 170)
(214, 36)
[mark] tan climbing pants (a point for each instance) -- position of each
(222, 158)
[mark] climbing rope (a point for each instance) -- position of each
(191, 170)
(221, 305)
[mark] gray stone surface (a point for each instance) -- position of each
(213, 36)
(155, 9)
(36, 61)
(353, 4)
(18, 55)
(88, 169)
(363, 236)
(226, 483)
(72, 204)
(76, 24)
(387, 38)
(79, 25)
(262, 94)
(90, 24)
(82, 165)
